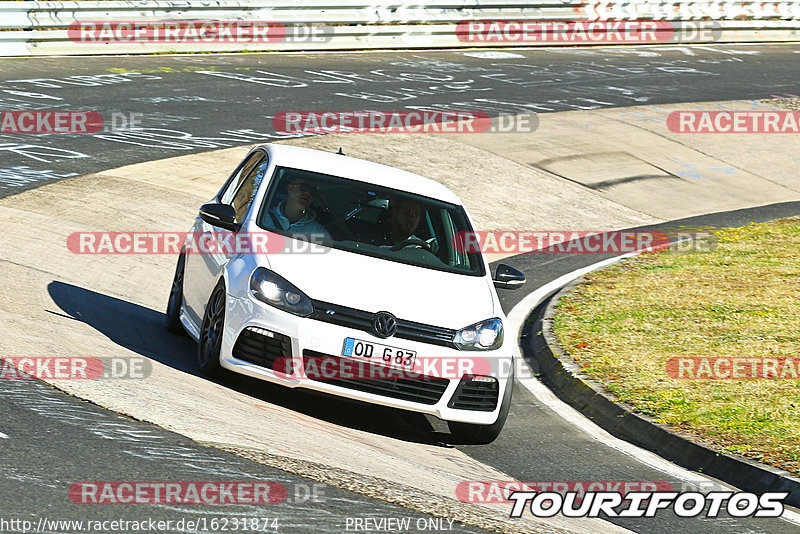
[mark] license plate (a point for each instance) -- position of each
(379, 354)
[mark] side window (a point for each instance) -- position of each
(243, 187)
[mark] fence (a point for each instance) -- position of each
(49, 28)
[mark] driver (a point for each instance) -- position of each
(295, 215)
(404, 217)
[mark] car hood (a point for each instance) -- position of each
(372, 284)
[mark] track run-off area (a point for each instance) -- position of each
(600, 158)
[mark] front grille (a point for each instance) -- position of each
(475, 395)
(362, 320)
(425, 390)
(262, 347)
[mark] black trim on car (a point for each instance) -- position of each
(475, 395)
(262, 347)
(424, 390)
(362, 320)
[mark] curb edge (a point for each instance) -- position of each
(564, 376)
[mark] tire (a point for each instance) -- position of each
(472, 434)
(172, 322)
(210, 342)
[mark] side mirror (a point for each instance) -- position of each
(220, 215)
(507, 277)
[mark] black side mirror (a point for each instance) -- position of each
(220, 215)
(507, 277)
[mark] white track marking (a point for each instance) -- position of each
(492, 55)
(516, 318)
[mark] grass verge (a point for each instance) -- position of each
(742, 299)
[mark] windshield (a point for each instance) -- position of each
(358, 217)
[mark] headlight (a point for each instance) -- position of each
(274, 290)
(486, 335)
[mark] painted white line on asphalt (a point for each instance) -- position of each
(492, 55)
(545, 396)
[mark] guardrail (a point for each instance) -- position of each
(54, 28)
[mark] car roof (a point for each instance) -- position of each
(358, 169)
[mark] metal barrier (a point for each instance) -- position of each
(52, 28)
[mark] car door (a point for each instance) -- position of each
(204, 264)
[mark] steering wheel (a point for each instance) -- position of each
(411, 241)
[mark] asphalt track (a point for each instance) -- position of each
(55, 440)
(193, 103)
(189, 107)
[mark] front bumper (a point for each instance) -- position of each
(313, 338)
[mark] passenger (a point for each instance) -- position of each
(295, 216)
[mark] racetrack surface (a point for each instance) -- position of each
(195, 103)
(537, 444)
(55, 440)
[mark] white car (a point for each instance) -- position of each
(369, 272)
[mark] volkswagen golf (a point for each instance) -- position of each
(365, 287)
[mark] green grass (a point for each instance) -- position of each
(741, 299)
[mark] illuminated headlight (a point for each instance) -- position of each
(274, 290)
(486, 335)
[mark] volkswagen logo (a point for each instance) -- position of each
(384, 324)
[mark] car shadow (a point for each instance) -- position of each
(141, 330)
